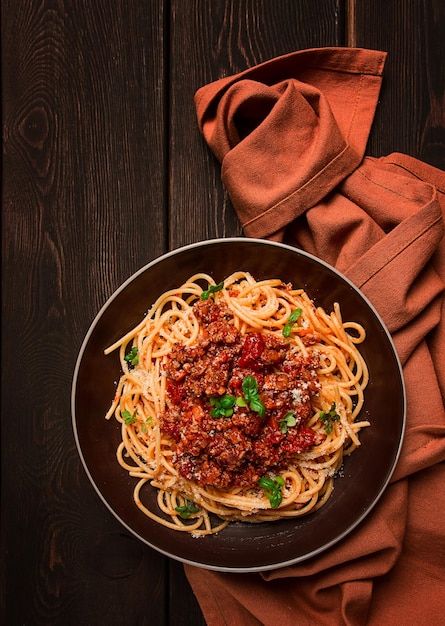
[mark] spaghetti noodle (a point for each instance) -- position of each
(237, 401)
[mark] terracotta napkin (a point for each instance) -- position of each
(291, 136)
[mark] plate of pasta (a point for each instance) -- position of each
(238, 405)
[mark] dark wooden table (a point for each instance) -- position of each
(103, 170)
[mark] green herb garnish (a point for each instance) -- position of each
(128, 417)
(252, 397)
(132, 357)
(328, 419)
(148, 422)
(293, 317)
(222, 406)
(187, 509)
(205, 295)
(272, 488)
(286, 421)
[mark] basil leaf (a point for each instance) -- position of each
(266, 483)
(226, 402)
(293, 317)
(287, 421)
(187, 509)
(257, 406)
(128, 417)
(275, 499)
(132, 357)
(272, 488)
(205, 295)
(329, 418)
(251, 395)
(250, 387)
(222, 407)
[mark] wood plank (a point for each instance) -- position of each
(104, 169)
(223, 38)
(183, 607)
(410, 117)
(83, 207)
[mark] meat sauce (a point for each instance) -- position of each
(237, 449)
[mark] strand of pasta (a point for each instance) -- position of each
(259, 305)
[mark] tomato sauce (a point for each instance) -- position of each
(235, 446)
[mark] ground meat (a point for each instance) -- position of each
(236, 448)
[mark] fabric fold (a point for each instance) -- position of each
(285, 144)
(291, 137)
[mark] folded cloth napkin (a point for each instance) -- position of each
(291, 136)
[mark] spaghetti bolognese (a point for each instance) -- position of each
(238, 400)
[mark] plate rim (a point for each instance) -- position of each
(222, 568)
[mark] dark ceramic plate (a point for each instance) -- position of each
(240, 547)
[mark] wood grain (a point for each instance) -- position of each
(79, 219)
(104, 169)
(222, 38)
(411, 114)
